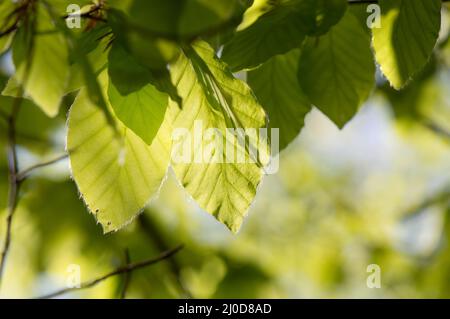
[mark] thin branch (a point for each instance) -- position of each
(14, 184)
(127, 276)
(12, 27)
(94, 9)
(442, 197)
(9, 30)
(437, 129)
(93, 14)
(21, 176)
(20, 13)
(121, 270)
(13, 164)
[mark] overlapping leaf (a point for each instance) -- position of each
(136, 101)
(214, 99)
(41, 62)
(116, 175)
(277, 88)
(408, 34)
(337, 71)
(281, 29)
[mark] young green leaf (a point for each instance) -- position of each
(281, 29)
(404, 43)
(5, 42)
(141, 110)
(214, 99)
(42, 68)
(128, 75)
(337, 71)
(277, 88)
(125, 72)
(116, 175)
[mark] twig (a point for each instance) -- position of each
(14, 184)
(94, 9)
(125, 269)
(437, 129)
(9, 30)
(13, 164)
(20, 12)
(127, 276)
(441, 197)
(92, 14)
(21, 176)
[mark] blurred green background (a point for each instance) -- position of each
(376, 192)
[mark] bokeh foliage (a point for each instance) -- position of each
(366, 182)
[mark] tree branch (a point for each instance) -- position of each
(21, 176)
(121, 270)
(13, 164)
(14, 184)
(94, 13)
(442, 197)
(437, 129)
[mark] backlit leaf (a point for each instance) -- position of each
(116, 175)
(408, 34)
(212, 97)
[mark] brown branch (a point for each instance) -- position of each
(121, 270)
(21, 176)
